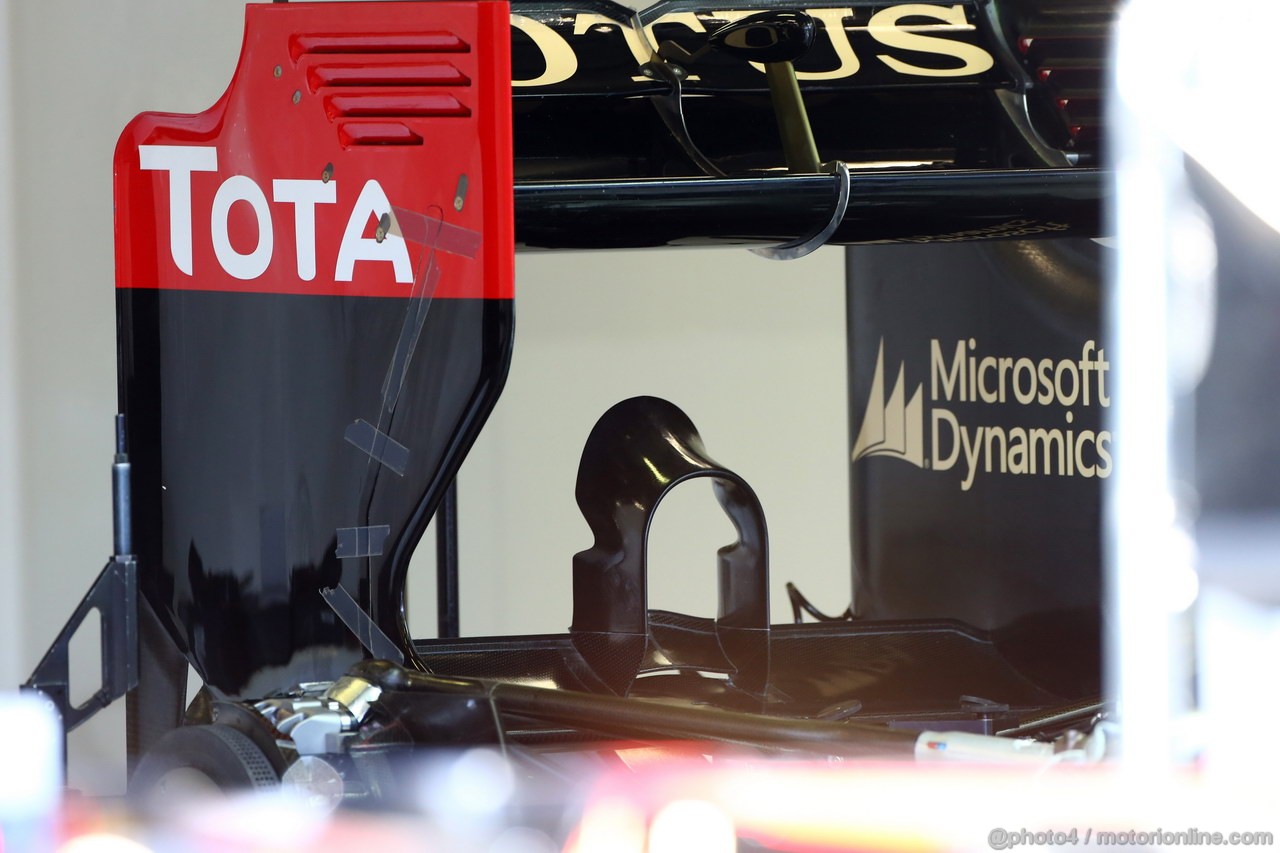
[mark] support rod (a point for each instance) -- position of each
(447, 563)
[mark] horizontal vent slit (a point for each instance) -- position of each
(425, 42)
(376, 133)
(387, 74)
(398, 104)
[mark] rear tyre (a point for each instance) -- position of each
(198, 760)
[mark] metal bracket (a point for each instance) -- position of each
(671, 109)
(1015, 109)
(1014, 103)
(807, 245)
(115, 595)
(774, 38)
(661, 66)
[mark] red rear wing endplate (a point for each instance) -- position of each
(337, 114)
(314, 296)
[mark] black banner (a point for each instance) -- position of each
(979, 383)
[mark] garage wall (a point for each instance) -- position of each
(752, 350)
(11, 658)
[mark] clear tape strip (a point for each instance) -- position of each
(361, 541)
(359, 623)
(382, 447)
(415, 318)
(435, 233)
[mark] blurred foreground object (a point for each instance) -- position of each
(1194, 515)
(31, 784)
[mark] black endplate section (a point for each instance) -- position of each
(250, 495)
(637, 453)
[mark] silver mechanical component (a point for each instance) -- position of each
(318, 718)
(316, 731)
(354, 694)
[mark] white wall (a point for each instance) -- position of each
(752, 350)
(11, 657)
(79, 72)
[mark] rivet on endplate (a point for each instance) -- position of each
(297, 95)
(384, 226)
(460, 194)
(327, 174)
(277, 71)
